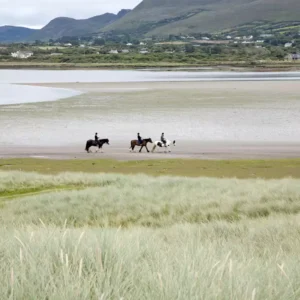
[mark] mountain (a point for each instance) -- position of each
(164, 17)
(63, 26)
(10, 34)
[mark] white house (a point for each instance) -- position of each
(56, 54)
(142, 43)
(228, 37)
(266, 35)
(260, 41)
(129, 44)
(22, 54)
(144, 51)
(125, 51)
(68, 45)
(113, 52)
(288, 45)
(293, 56)
(205, 38)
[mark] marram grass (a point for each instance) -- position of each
(139, 237)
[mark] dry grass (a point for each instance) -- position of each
(160, 238)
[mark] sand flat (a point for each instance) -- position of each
(209, 120)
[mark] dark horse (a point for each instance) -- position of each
(144, 144)
(94, 143)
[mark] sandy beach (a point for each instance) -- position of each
(209, 120)
(184, 150)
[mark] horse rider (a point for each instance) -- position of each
(139, 139)
(163, 139)
(96, 137)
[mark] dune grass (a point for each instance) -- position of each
(108, 200)
(114, 236)
(268, 169)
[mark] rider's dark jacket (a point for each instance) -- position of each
(140, 139)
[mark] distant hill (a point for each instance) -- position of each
(164, 17)
(9, 34)
(63, 26)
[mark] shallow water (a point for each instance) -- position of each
(17, 94)
(44, 76)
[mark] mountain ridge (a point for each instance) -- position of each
(59, 27)
(164, 17)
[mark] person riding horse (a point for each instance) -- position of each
(140, 139)
(163, 139)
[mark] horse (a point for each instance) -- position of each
(144, 144)
(161, 144)
(93, 143)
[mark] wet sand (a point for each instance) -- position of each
(184, 150)
(213, 99)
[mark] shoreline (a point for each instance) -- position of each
(275, 66)
(196, 150)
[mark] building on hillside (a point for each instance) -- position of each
(129, 44)
(228, 37)
(144, 51)
(68, 45)
(142, 44)
(266, 35)
(260, 41)
(22, 54)
(113, 52)
(56, 54)
(125, 51)
(293, 56)
(205, 38)
(288, 45)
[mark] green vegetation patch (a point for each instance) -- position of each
(175, 167)
(112, 200)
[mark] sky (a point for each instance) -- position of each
(37, 13)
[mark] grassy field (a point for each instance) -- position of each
(222, 65)
(268, 169)
(109, 236)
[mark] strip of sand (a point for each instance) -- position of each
(261, 91)
(185, 150)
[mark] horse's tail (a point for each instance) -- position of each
(86, 146)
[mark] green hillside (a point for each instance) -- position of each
(63, 26)
(163, 17)
(10, 34)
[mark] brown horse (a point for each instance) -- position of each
(144, 144)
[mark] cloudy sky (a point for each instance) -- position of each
(37, 13)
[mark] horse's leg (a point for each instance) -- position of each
(141, 148)
(154, 147)
(147, 149)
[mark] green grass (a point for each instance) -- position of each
(108, 200)
(280, 168)
(141, 237)
(219, 64)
